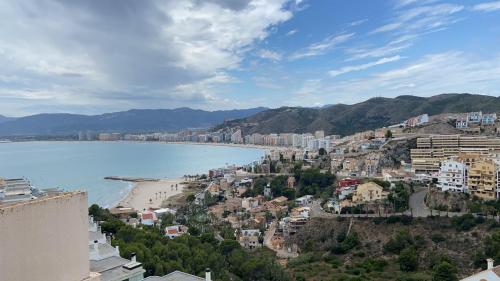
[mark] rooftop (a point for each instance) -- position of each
(175, 276)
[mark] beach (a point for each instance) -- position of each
(150, 194)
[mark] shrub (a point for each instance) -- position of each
(437, 238)
(399, 242)
(408, 259)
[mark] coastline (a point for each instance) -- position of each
(242, 145)
(150, 194)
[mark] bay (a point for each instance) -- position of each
(83, 165)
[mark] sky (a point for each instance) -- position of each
(91, 57)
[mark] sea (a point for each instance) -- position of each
(83, 165)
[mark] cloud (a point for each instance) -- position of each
(352, 68)
(391, 48)
(126, 53)
(487, 6)
(291, 32)
(447, 72)
(322, 47)
(270, 55)
(422, 18)
(358, 22)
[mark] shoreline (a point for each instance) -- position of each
(242, 145)
(150, 194)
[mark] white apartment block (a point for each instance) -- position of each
(452, 176)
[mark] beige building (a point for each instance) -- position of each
(432, 150)
(46, 239)
(482, 179)
(368, 192)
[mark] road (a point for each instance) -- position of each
(417, 204)
(417, 209)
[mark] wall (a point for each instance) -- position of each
(45, 239)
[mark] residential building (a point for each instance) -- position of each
(148, 218)
(14, 190)
(430, 151)
(249, 238)
(417, 121)
(319, 134)
(489, 119)
(491, 273)
(304, 200)
(461, 123)
(482, 179)
(368, 192)
(46, 239)
(181, 276)
(452, 176)
(475, 117)
(345, 191)
(175, 231)
(249, 203)
(106, 260)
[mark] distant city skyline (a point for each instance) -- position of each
(91, 57)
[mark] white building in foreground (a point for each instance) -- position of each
(46, 239)
(452, 176)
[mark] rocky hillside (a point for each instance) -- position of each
(384, 248)
(374, 113)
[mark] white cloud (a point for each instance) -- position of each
(487, 6)
(270, 55)
(322, 47)
(291, 32)
(448, 72)
(129, 53)
(389, 49)
(359, 67)
(422, 18)
(358, 22)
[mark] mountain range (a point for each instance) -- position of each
(374, 113)
(136, 120)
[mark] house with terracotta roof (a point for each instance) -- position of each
(175, 231)
(148, 218)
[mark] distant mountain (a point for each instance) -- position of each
(5, 119)
(374, 113)
(136, 120)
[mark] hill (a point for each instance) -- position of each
(374, 113)
(136, 120)
(5, 119)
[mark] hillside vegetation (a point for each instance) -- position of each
(394, 248)
(374, 113)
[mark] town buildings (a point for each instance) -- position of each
(482, 179)
(430, 151)
(452, 176)
(368, 192)
(249, 238)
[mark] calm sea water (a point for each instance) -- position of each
(83, 165)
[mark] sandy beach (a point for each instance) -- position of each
(150, 194)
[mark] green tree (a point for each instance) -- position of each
(444, 271)
(322, 151)
(388, 134)
(190, 198)
(408, 259)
